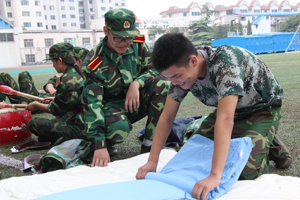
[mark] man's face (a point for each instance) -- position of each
(184, 76)
(118, 47)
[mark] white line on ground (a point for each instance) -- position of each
(9, 161)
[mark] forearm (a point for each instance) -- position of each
(50, 88)
(222, 136)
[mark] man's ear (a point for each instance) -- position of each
(193, 60)
(105, 30)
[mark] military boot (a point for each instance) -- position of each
(280, 154)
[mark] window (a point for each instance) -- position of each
(37, 3)
(102, 16)
(45, 7)
(72, 16)
(256, 11)
(27, 24)
(243, 10)
(72, 7)
(8, 4)
(80, 3)
(110, 8)
(184, 14)
(38, 14)
(26, 13)
(52, 17)
(195, 13)
(82, 26)
(103, 8)
(274, 10)
(86, 40)
(24, 3)
(243, 18)
(90, 1)
(73, 24)
(102, 1)
(51, 7)
(53, 27)
(28, 42)
(68, 40)
(71, 0)
(64, 24)
(92, 16)
(39, 24)
(47, 55)
(63, 16)
(30, 58)
(122, 4)
(46, 27)
(286, 10)
(81, 10)
(267, 17)
(9, 15)
(63, 8)
(253, 18)
(110, 1)
(6, 37)
(81, 18)
(45, 16)
(116, 4)
(62, 0)
(48, 42)
(91, 9)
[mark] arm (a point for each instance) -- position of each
(51, 85)
(161, 134)
(94, 118)
(37, 106)
(222, 135)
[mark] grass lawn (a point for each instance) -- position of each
(286, 68)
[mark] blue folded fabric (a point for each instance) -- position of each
(194, 161)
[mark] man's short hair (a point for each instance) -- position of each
(172, 49)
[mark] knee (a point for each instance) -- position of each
(118, 132)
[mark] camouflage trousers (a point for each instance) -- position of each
(51, 130)
(118, 122)
(26, 85)
(261, 127)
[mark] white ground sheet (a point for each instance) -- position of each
(266, 187)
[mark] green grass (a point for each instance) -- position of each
(286, 68)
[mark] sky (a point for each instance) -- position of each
(152, 8)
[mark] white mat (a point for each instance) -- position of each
(267, 187)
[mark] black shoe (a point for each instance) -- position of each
(280, 154)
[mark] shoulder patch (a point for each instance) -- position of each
(140, 39)
(95, 63)
(58, 81)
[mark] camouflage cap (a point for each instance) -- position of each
(121, 22)
(61, 50)
(80, 52)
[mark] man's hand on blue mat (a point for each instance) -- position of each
(143, 170)
(203, 186)
(101, 158)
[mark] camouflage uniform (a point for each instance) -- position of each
(236, 71)
(66, 106)
(108, 77)
(6, 79)
(80, 52)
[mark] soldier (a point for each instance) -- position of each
(66, 106)
(245, 93)
(121, 87)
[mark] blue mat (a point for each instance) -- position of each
(177, 178)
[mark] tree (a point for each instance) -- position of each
(249, 30)
(174, 30)
(240, 28)
(200, 32)
(291, 24)
(156, 31)
(232, 29)
(220, 31)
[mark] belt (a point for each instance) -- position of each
(31, 145)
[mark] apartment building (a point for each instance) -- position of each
(56, 14)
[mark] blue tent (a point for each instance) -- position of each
(262, 43)
(5, 24)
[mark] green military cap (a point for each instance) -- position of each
(80, 52)
(61, 50)
(121, 22)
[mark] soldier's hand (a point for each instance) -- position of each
(202, 187)
(47, 100)
(132, 97)
(101, 158)
(143, 170)
(32, 106)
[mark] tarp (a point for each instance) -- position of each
(262, 43)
